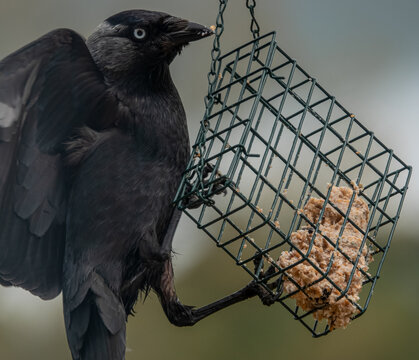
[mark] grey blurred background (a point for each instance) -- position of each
(366, 53)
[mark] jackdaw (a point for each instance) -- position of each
(93, 143)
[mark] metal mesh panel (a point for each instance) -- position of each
(275, 138)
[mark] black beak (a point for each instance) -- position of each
(184, 32)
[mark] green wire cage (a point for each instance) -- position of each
(272, 140)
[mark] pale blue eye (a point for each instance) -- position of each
(139, 33)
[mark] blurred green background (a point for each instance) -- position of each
(366, 53)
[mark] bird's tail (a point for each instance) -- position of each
(95, 321)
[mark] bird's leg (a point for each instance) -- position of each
(247, 292)
(183, 315)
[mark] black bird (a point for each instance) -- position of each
(93, 142)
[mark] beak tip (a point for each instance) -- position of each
(206, 32)
(191, 32)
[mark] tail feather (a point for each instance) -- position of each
(96, 325)
(99, 343)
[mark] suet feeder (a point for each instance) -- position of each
(272, 138)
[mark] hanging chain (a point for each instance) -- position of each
(212, 81)
(209, 100)
(216, 49)
(254, 26)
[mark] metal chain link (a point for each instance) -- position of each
(254, 26)
(216, 51)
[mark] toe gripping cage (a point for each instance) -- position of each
(274, 138)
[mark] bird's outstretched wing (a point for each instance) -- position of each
(48, 89)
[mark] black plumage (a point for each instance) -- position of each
(93, 143)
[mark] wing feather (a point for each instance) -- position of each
(48, 90)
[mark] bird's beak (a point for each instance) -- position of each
(188, 31)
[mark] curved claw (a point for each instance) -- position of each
(217, 187)
(180, 315)
(265, 296)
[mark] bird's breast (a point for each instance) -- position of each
(122, 195)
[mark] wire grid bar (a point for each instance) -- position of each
(276, 138)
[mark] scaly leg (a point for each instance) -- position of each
(183, 315)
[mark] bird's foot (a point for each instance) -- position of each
(179, 314)
(218, 186)
(267, 297)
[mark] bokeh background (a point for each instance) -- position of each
(366, 53)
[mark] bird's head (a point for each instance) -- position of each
(140, 41)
